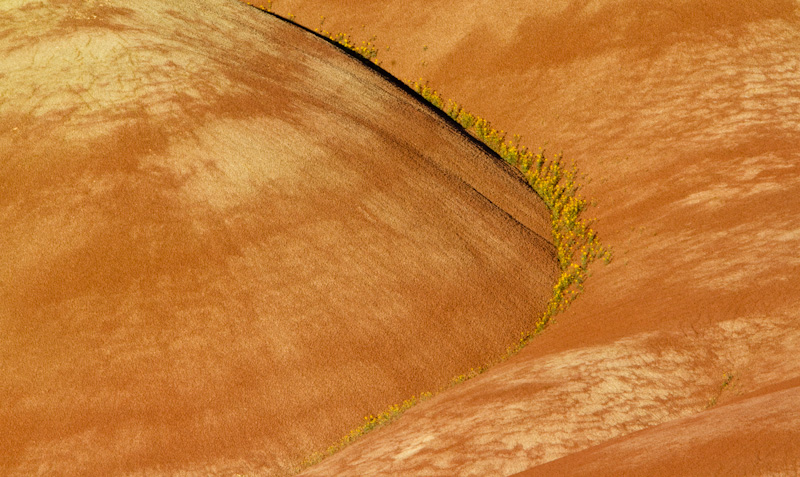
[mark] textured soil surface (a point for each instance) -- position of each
(224, 241)
(756, 436)
(683, 355)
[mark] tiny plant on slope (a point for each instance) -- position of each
(726, 383)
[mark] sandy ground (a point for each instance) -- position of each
(224, 241)
(727, 440)
(686, 118)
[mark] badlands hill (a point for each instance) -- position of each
(683, 355)
(225, 240)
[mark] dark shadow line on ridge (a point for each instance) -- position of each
(512, 172)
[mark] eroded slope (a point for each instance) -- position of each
(224, 241)
(686, 117)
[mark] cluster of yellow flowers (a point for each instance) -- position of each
(555, 182)
(367, 48)
(268, 8)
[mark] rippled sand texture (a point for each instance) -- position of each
(224, 241)
(686, 118)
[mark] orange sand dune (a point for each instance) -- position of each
(686, 117)
(224, 241)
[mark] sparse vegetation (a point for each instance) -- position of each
(727, 381)
(366, 49)
(553, 179)
(371, 422)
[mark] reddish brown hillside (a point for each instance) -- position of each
(224, 241)
(686, 117)
(753, 436)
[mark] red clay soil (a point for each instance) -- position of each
(686, 118)
(723, 441)
(224, 241)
